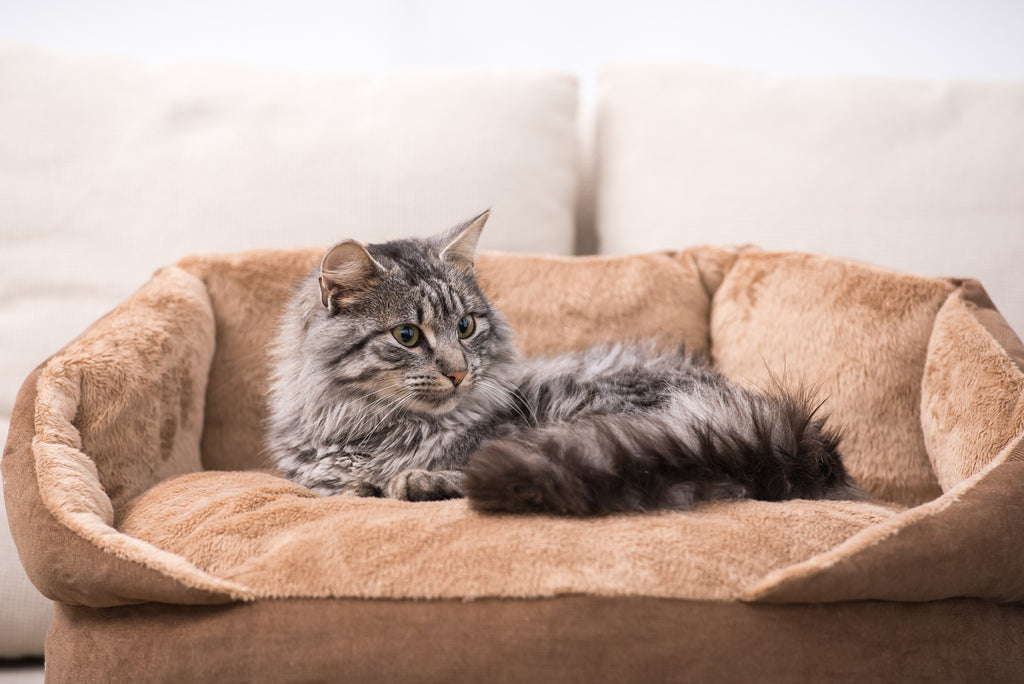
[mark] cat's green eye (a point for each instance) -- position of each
(407, 335)
(465, 327)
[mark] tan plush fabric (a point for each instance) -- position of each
(558, 304)
(116, 415)
(280, 540)
(129, 394)
(121, 408)
(972, 403)
(965, 543)
(62, 558)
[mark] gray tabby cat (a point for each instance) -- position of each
(394, 376)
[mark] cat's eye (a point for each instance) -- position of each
(465, 327)
(407, 335)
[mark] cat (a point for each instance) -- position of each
(393, 375)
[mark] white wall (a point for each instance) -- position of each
(922, 38)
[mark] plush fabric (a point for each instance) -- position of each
(280, 541)
(134, 471)
(960, 360)
(925, 177)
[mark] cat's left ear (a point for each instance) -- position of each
(459, 244)
(345, 271)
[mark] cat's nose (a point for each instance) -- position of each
(456, 376)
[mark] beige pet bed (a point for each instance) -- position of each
(140, 500)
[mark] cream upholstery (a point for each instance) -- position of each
(922, 177)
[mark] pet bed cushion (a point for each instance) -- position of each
(133, 472)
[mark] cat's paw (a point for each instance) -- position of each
(425, 485)
(362, 489)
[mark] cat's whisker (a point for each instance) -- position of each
(399, 404)
(526, 402)
(495, 391)
(369, 409)
(530, 419)
(507, 397)
(378, 391)
(492, 394)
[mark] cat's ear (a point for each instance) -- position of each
(459, 244)
(346, 270)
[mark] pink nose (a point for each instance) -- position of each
(456, 376)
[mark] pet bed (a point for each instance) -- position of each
(141, 500)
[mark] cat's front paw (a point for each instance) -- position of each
(364, 489)
(425, 485)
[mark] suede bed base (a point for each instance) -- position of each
(565, 639)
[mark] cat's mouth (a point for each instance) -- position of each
(440, 400)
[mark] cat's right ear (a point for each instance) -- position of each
(346, 270)
(460, 243)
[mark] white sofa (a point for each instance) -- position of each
(109, 170)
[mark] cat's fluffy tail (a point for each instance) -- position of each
(769, 448)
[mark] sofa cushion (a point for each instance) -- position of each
(919, 176)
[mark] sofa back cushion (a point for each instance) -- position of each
(922, 177)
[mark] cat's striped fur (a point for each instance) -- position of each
(356, 409)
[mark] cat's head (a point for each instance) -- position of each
(406, 324)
